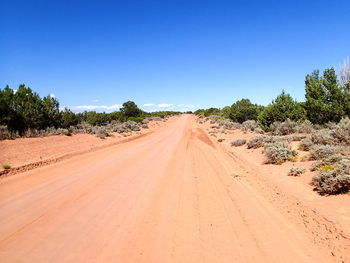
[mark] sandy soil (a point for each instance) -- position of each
(174, 195)
(32, 152)
(335, 208)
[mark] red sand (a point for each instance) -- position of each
(174, 195)
(24, 151)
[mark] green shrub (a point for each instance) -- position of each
(136, 119)
(282, 108)
(244, 110)
(325, 100)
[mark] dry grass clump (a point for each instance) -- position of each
(238, 142)
(296, 171)
(279, 152)
(6, 166)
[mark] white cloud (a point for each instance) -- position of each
(186, 106)
(97, 107)
(95, 100)
(148, 104)
(52, 95)
(164, 105)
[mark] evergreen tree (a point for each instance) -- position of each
(244, 110)
(325, 100)
(130, 109)
(282, 108)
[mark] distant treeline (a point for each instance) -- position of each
(326, 100)
(24, 109)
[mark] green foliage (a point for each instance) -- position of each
(325, 100)
(24, 113)
(244, 110)
(282, 108)
(94, 118)
(130, 109)
(24, 109)
(68, 118)
(225, 112)
(51, 111)
(136, 119)
(208, 112)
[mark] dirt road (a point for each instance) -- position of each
(170, 196)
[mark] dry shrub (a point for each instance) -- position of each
(259, 130)
(249, 125)
(229, 125)
(260, 140)
(332, 182)
(305, 144)
(6, 134)
(283, 128)
(323, 136)
(101, 133)
(6, 166)
(257, 141)
(305, 127)
(279, 152)
(341, 132)
(296, 171)
(333, 179)
(238, 142)
(297, 137)
(323, 152)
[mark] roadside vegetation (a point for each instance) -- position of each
(320, 124)
(23, 113)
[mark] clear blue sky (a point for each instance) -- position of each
(201, 53)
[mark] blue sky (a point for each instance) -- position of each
(179, 55)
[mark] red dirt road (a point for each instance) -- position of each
(170, 196)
